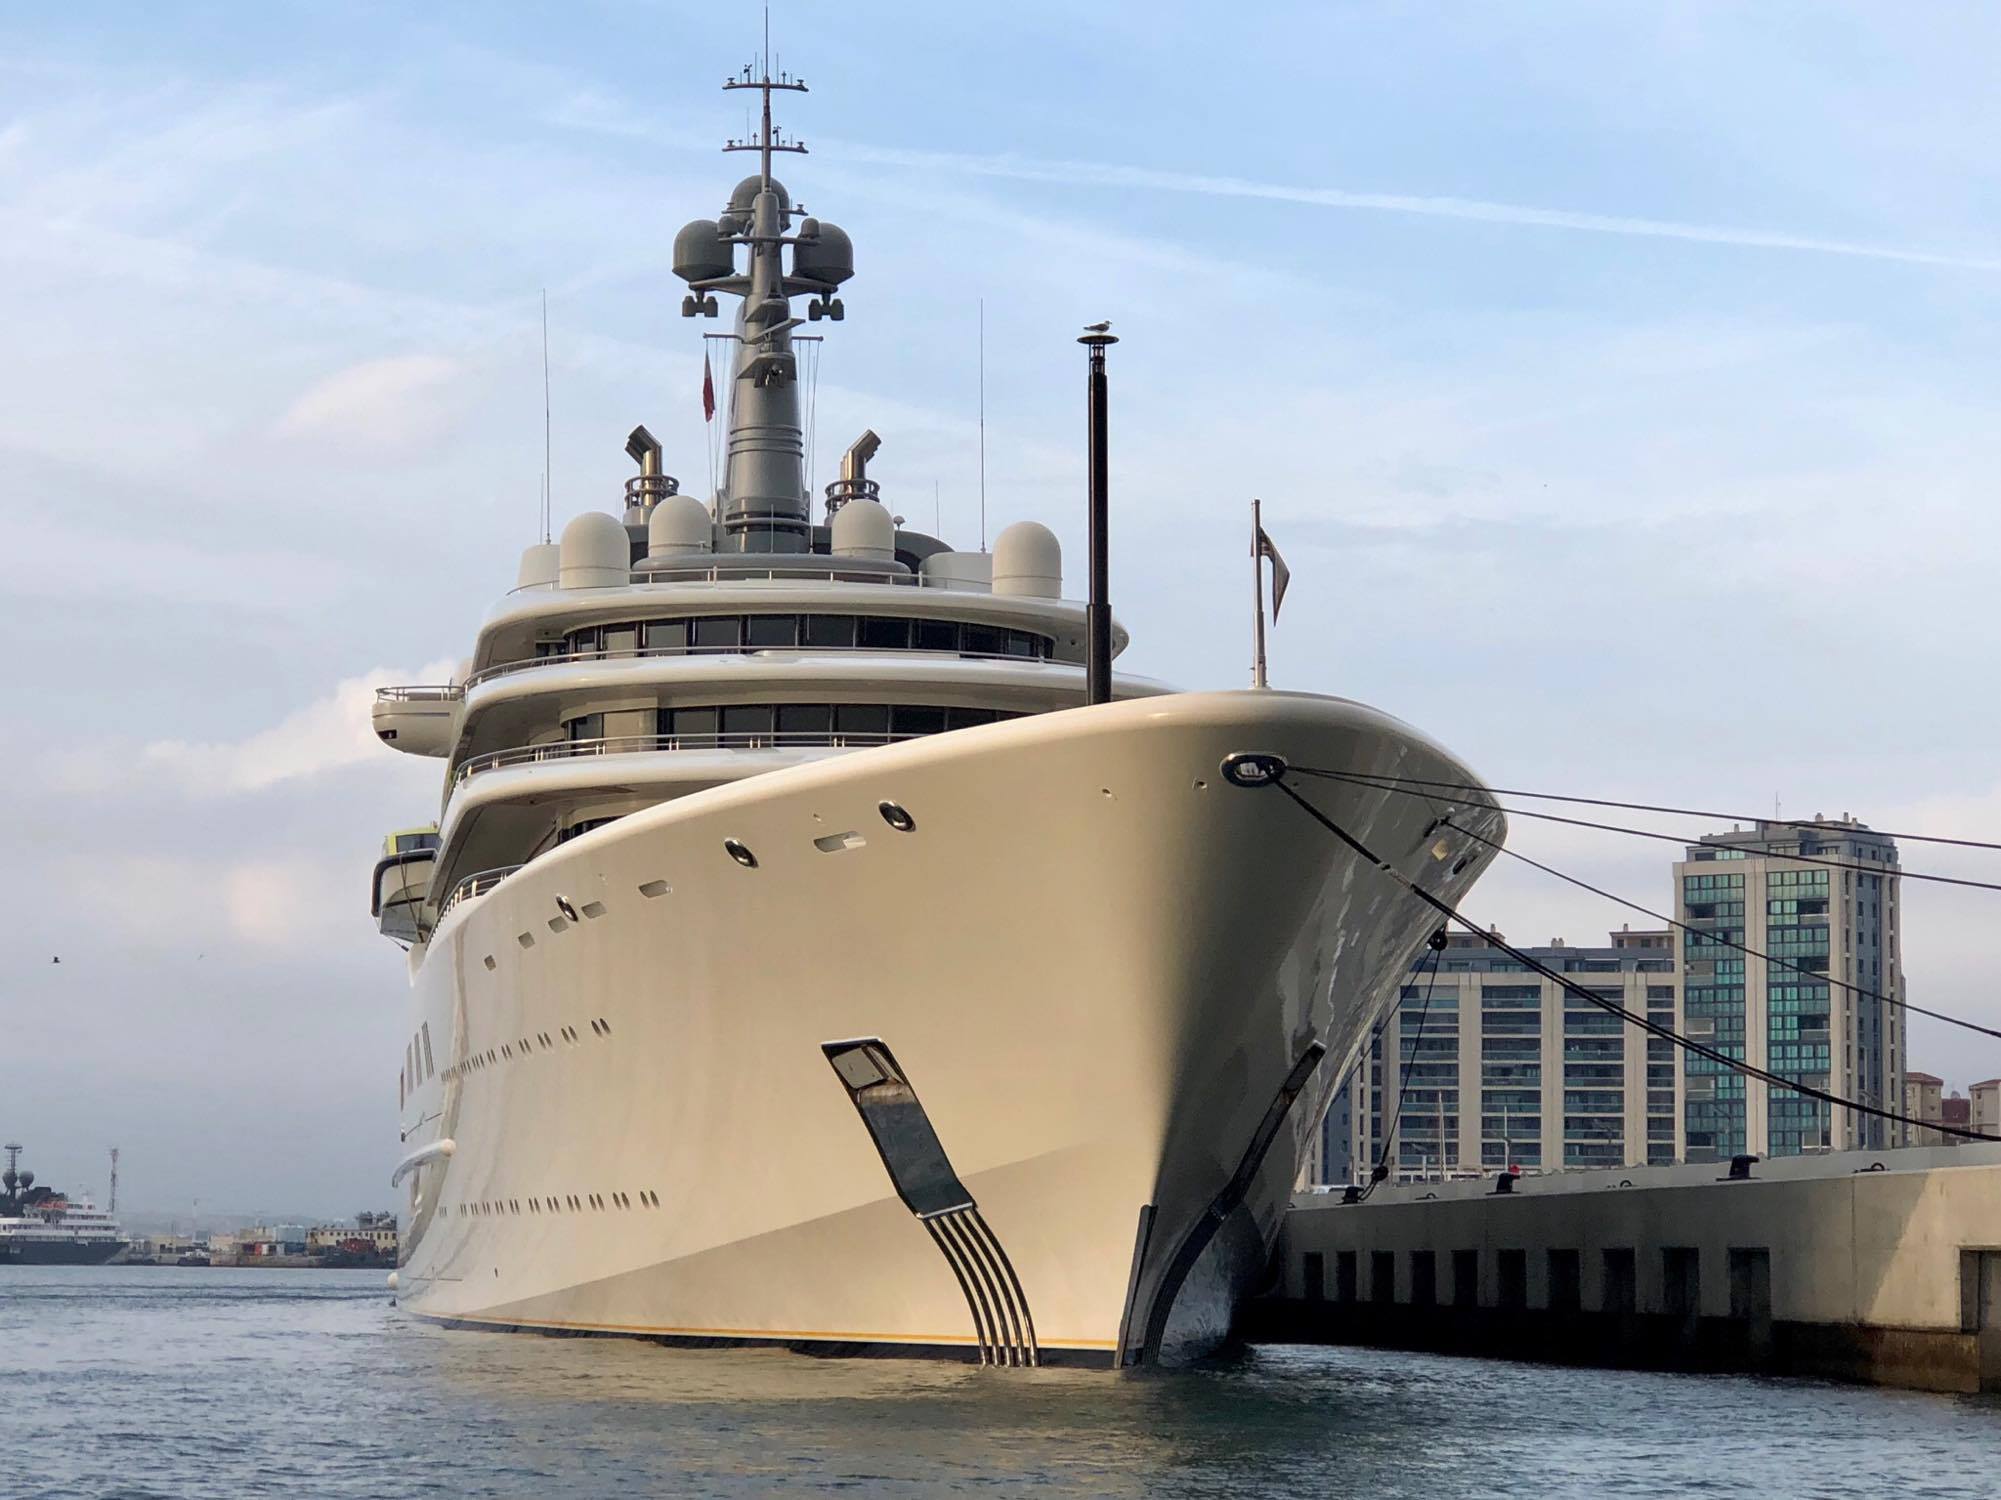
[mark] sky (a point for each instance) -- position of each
(1619, 383)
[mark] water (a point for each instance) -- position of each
(189, 1382)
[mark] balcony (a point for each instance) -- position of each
(638, 744)
(418, 720)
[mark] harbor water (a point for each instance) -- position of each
(176, 1382)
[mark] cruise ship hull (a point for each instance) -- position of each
(1111, 986)
(60, 1253)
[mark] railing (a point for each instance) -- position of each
(448, 693)
(476, 884)
(828, 574)
(635, 743)
(567, 658)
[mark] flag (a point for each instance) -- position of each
(708, 390)
(1280, 573)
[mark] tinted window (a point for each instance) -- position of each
(934, 635)
(1020, 643)
(747, 719)
(772, 630)
(666, 635)
(587, 727)
(805, 718)
(911, 718)
(830, 630)
(685, 721)
(985, 640)
(718, 631)
(861, 718)
(885, 635)
(966, 718)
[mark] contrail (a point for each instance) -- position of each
(1101, 174)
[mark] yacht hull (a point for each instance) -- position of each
(1098, 968)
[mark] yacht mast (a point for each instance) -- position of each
(762, 502)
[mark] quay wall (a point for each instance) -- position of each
(1871, 1266)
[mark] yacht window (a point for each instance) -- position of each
(621, 640)
(830, 630)
(884, 635)
(984, 640)
(771, 630)
(861, 718)
(805, 718)
(913, 718)
(587, 727)
(583, 642)
(666, 635)
(718, 633)
(966, 718)
(688, 721)
(746, 721)
(934, 635)
(1021, 643)
(576, 830)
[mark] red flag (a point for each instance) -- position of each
(708, 390)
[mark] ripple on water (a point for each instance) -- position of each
(182, 1382)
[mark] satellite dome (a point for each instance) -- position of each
(1028, 560)
(824, 253)
(862, 528)
(678, 526)
(701, 253)
(596, 553)
(746, 193)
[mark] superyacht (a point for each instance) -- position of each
(799, 958)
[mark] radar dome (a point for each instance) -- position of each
(824, 253)
(701, 253)
(862, 528)
(678, 526)
(539, 565)
(1028, 560)
(596, 553)
(744, 198)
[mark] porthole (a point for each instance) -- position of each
(896, 817)
(739, 852)
(593, 909)
(563, 905)
(490, 963)
(654, 888)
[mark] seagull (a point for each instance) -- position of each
(1104, 327)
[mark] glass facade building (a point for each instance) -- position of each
(1817, 903)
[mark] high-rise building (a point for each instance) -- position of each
(1822, 896)
(1507, 1068)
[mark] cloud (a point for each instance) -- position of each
(328, 734)
(389, 405)
(1109, 174)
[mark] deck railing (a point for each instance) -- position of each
(629, 744)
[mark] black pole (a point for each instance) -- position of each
(1098, 612)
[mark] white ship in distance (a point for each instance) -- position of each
(798, 959)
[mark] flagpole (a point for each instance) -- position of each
(1258, 574)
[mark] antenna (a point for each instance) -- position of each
(112, 1209)
(547, 445)
(983, 424)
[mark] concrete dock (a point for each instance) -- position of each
(1882, 1267)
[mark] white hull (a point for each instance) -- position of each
(1095, 960)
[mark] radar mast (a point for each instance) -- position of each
(762, 501)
